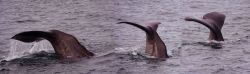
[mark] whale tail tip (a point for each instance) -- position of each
(154, 25)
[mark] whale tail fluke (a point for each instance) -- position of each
(214, 21)
(31, 36)
(217, 17)
(154, 45)
(136, 25)
(203, 22)
(65, 45)
(154, 25)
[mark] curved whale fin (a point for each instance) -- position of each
(65, 45)
(154, 45)
(137, 25)
(31, 36)
(214, 21)
(203, 22)
(217, 17)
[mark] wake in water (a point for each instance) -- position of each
(19, 49)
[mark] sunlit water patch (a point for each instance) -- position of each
(19, 49)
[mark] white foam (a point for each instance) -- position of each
(19, 49)
(133, 50)
(123, 50)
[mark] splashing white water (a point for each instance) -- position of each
(133, 50)
(19, 49)
(125, 49)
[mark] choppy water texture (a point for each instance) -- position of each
(93, 23)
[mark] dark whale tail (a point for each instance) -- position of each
(217, 17)
(31, 36)
(65, 45)
(136, 25)
(154, 45)
(214, 22)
